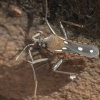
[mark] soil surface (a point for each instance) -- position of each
(16, 77)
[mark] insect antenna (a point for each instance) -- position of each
(46, 6)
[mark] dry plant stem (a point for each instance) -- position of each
(73, 24)
(46, 6)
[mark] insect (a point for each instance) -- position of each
(56, 45)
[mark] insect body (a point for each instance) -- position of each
(58, 44)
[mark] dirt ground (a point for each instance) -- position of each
(16, 77)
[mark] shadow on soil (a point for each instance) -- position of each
(18, 82)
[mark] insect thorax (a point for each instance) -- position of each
(53, 43)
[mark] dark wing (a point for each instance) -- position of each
(83, 49)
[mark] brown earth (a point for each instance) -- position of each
(16, 77)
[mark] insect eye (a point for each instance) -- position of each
(40, 41)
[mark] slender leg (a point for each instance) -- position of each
(63, 30)
(70, 23)
(34, 39)
(57, 64)
(23, 51)
(36, 35)
(39, 60)
(34, 74)
(50, 26)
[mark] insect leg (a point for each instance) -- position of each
(50, 26)
(34, 74)
(63, 30)
(23, 51)
(36, 35)
(57, 64)
(38, 60)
